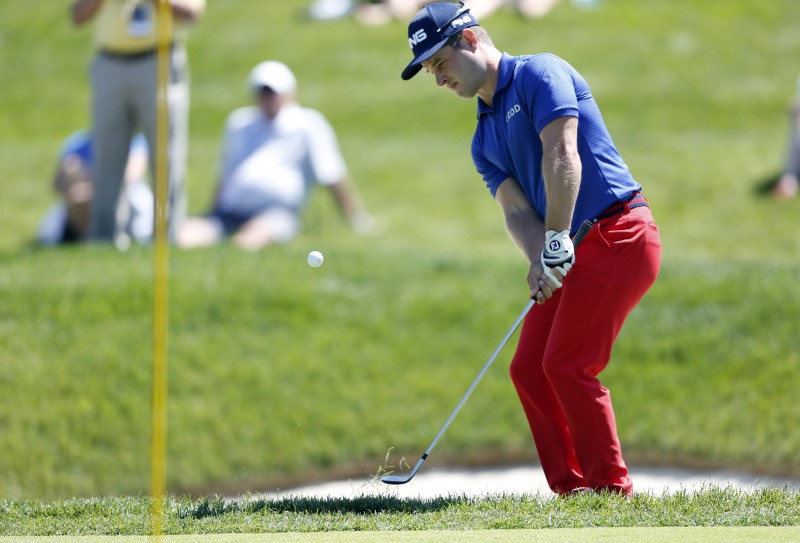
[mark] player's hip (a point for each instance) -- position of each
(627, 227)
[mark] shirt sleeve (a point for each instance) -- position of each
(229, 146)
(492, 175)
(326, 160)
(548, 89)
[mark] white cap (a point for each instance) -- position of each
(273, 74)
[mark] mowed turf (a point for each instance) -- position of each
(710, 507)
(616, 535)
(280, 372)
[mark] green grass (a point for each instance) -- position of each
(774, 508)
(558, 535)
(280, 372)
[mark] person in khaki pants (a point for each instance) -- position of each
(123, 78)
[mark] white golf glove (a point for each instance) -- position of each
(558, 254)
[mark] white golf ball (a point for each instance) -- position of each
(315, 259)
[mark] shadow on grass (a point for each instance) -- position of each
(368, 505)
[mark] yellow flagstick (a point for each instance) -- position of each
(161, 274)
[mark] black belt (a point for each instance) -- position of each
(127, 57)
(637, 200)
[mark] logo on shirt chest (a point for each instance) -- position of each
(512, 111)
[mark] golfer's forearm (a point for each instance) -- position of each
(562, 174)
(526, 230)
(561, 168)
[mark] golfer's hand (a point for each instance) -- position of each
(557, 259)
(558, 254)
(543, 285)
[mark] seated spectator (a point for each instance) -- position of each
(68, 219)
(273, 153)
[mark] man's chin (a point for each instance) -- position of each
(462, 93)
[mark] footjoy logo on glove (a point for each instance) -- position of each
(555, 245)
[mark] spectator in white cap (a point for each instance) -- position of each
(273, 153)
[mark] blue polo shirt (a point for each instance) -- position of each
(533, 91)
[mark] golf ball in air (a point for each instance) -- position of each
(315, 259)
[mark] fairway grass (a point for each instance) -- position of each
(557, 535)
(281, 373)
(497, 518)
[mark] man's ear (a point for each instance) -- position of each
(471, 38)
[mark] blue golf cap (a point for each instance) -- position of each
(430, 29)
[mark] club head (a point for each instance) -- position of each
(403, 479)
(396, 479)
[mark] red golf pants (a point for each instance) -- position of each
(566, 342)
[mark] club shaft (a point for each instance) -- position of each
(579, 235)
(477, 380)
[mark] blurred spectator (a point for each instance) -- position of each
(787, 185)
(68, 220)
(526, 8)
(532, 9)
(272, 154)
(124, 81)
(330, 10)
(382, 11)
(365, 11)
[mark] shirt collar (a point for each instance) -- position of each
(505, 72)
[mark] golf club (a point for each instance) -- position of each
(403, 479)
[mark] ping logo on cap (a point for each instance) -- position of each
(430, 29)
(418, 37)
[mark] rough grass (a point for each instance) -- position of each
(712, 507)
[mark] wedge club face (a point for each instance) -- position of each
(403, 479)
(396, 479)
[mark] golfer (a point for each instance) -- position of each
(547, 158)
